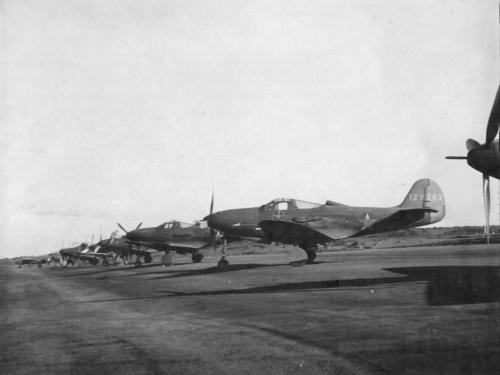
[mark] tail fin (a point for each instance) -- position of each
(426, 194)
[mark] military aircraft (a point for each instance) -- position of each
(183, 238)
(295, 222)
(82, 252)
(29, 261)
(121, 247)
(485, 157)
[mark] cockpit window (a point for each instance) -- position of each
(277, 204)
(281, 206)
(306, 205)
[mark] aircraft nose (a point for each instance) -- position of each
(132, 235)
(215, 220)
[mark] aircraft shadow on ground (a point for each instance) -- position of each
(446, 285)
(215, 270)
(452, 285)
(103, 269)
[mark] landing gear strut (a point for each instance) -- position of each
(311, 252)
(196, 257)
(137, 262)
(223, 263)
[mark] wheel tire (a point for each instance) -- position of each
(196, 258)
(311, 256)
(222, 264)
(148, 259)
(167, 260)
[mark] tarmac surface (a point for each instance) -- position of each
(420, 310)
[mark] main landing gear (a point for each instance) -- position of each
(310, 250)
(137, 262)
(196, 257)
(148, 258)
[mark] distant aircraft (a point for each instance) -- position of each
(171, 236)
(305, 224)
(82, 252)
(29, 261)
(485, 157)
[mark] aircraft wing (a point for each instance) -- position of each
(91, 255)
(181, 247)
(296, 232)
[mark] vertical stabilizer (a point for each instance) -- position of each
(426, 194)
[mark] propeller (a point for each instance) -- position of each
(213, 232)
(122, 228)
(126, 231)
(486, 200)
(493, 120)
(492, 129)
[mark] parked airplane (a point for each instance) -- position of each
(29, 261)
(82, 252)
(172, 236)
(295, 222)
(485, 157)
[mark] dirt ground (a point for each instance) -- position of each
(415, 310)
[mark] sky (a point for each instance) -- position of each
(127, 111)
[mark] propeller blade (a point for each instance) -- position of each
(456, 157)
(122, 228)
(486, 200)
(493, 120)
(471, 144)
(212, 203)
(138, 225)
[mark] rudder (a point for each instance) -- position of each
(426, 193)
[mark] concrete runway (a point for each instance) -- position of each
(428, 310)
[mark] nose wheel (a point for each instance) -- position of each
(222, 264)
(167, 260)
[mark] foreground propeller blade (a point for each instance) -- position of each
(212, 203)
(493, 120)
(456, 157)
(486, 200)
(122, 228)
(138, 225)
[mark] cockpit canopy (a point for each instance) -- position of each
(179, 224)
(283, 204)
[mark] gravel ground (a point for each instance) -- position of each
(429, 310)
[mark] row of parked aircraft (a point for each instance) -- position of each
(290, 221)
(283, 220)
